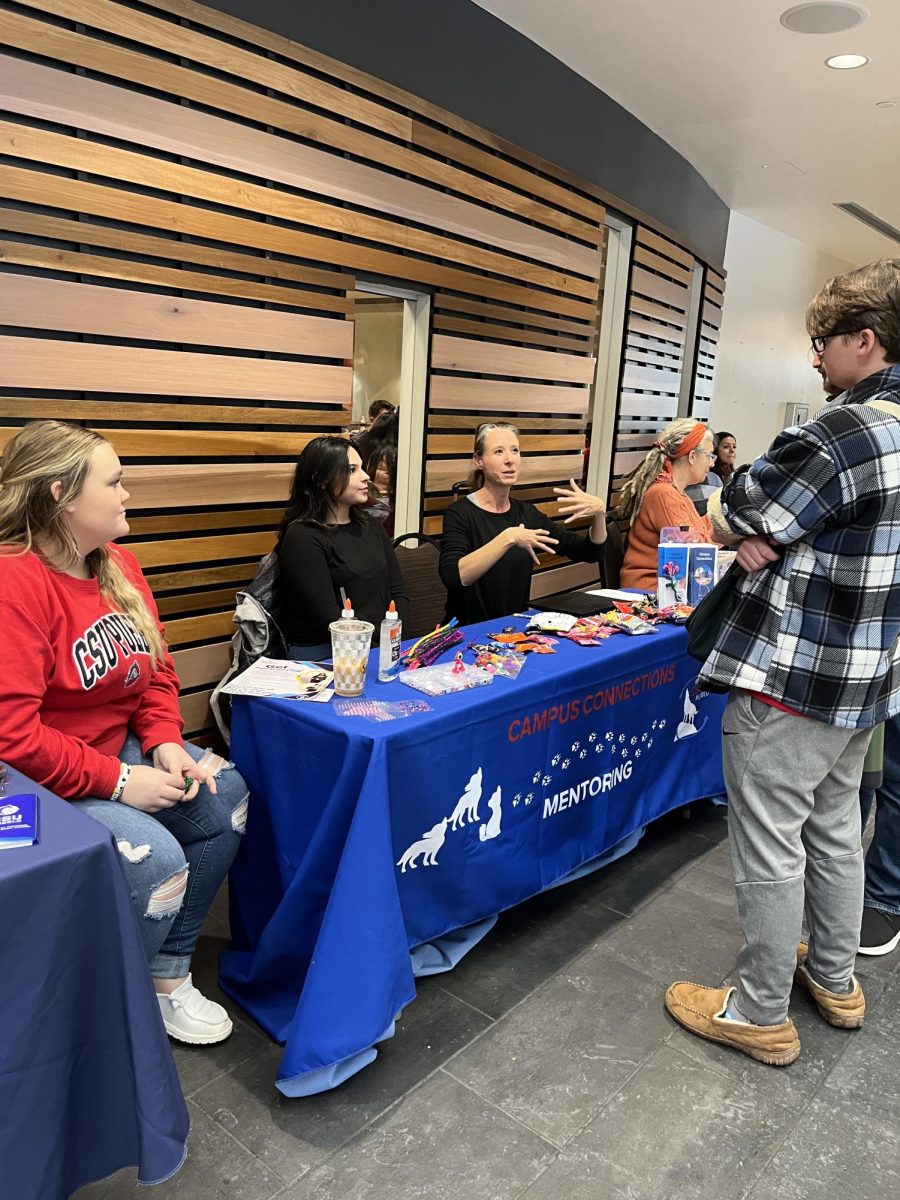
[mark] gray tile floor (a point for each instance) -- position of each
(545, 1066)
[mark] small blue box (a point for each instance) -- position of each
(18, 820)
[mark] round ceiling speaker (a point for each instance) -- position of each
(823, 16)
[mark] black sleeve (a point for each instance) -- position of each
(306, 577)
(577, 546)
(396, 582)
(456, 543)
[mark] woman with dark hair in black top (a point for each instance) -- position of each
(326, 543)
(377, 448)
(491, 540)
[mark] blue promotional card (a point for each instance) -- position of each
(701, 573)
(18, 820)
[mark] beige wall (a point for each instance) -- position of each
(762, 363)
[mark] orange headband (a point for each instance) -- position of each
(688, 443)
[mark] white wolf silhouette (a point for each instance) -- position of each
(492, 829)
(428, 846)
(467, 806)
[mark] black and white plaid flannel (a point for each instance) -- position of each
(818, 630)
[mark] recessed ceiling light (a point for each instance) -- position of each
(885, 103)
(825, 16)
(846, 62)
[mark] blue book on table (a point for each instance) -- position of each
(18, 820)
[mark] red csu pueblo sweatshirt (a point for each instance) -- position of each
(75, 677)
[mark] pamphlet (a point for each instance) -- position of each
(283, 677)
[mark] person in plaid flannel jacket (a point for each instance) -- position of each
(809, 653)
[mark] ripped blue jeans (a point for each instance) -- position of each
(202, 834)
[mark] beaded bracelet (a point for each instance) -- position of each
(124, 776)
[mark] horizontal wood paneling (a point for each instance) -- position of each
(466, 354)
(83, 308)
(187, 204)
(53, 95)
(491, 396)
(45, 363)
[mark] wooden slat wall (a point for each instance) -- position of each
(656, 330)
(707, 343)
(186, 202)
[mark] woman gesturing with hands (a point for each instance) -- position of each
(492, 540)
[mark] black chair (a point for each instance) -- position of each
(427, 595)
(462, 488)
(613, 553)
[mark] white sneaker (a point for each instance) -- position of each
(189, 1017)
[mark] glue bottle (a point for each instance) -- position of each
(389, 646)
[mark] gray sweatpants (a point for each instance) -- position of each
(793, 824)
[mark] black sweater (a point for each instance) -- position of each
(317, 561)
(506, 587)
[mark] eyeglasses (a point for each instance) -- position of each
(710, 454)
(817, 344)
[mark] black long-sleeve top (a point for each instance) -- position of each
(506, 586)
(317, 561)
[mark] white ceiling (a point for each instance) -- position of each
(729, 88)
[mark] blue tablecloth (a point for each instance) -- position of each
(368, 839)
(87, 1081)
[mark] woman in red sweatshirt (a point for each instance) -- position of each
(91, 709)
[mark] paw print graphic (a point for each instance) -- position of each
(583, 753)
(650, 743)
(565, 763)
(576, 746)
(554, 761)
(517, 797)
(643, 737)
(625, 752)
(653, 726)
(609, 737)
(662, 724)
(614, 750)
(545, 780)
(529, 797)
(592, 737)
(637, 753)
(621, 738)
(598, 747)
(634, 741)
(536, 777)
(516, 802)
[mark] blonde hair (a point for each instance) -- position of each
(41, 454)
(868, 298)
(476, 475)
(666, 447)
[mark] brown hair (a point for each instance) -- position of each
(667, 444)
(868, 298)
(41, 454)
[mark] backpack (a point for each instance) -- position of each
(258, 618)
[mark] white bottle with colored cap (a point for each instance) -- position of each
(389, 646)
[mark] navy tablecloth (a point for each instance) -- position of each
(368, 839)
(87, 1081)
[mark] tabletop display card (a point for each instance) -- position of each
(18, 820)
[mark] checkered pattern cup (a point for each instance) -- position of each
(350, 642)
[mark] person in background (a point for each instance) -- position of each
(89, 701)
(810, 651)
(725, 446)
(491, 540)
(655, 497)
(377, 447)
(379, 408)
(327, 543)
